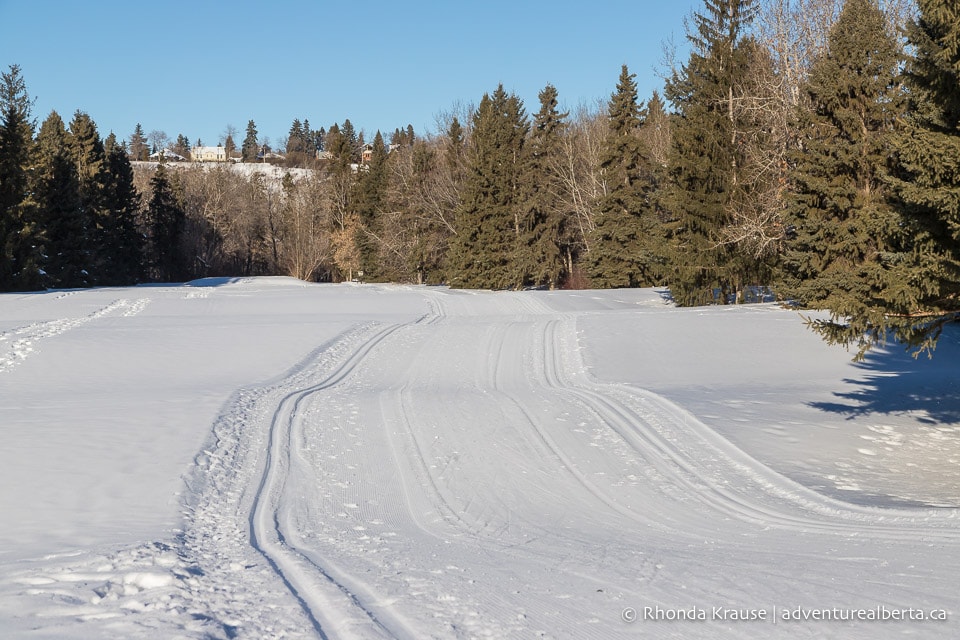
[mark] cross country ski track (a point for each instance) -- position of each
(393, 490)
(18, 344)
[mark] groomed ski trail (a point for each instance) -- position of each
(462, 475)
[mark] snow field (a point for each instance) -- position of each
(445, 464)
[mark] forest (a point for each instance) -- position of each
(805, 149)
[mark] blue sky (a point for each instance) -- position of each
(195, 67)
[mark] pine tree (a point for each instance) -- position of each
(251, 147)
(481, 255)
(19, 255)
(57, 195)
(619, 254)
(122, 245)
(138, 146)
(706, 155)
(538, 257)
(846, 230)
(923, 288)
(167, 221)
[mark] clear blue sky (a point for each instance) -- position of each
(195, 67)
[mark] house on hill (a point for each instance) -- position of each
(168, 155)
(209, 154)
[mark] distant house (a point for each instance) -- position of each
(367, 154)
(209, 154)
(168, 155)
(270, 156)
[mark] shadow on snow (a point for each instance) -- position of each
(894, 382)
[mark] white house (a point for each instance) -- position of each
(209, 154)
(167, 155)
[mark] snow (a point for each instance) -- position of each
(266, 458)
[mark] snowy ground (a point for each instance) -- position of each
(269, 459)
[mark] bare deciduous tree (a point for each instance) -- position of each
(159, 140)
(578, 168)
(305, 244)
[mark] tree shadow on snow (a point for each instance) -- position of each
(212, 282)
(894, 382)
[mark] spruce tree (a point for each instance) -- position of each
(370, 195)
(339, 146)
(455, 148)
(351, 141)
(487, 222)
(250, 147)
(138, 146)
(923, 291)
(182, 146)
(846, 230)
(706, 156)
(122, 244)
(90, 160)
(19, 257)
(619, 249)
(538, 257)
(166, 220)
(59, 202)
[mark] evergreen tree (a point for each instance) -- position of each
(167, 221)
(19, 257)
(57, 195)
(706, 155)
(338, 146)
(182, 146)
(308, 134)
(89, 157)
(319, 139)
(655, 132)
(455, 147)
(923, 290)
(229, 146)
(138, 146)
(846, 230)
(619, 249)
(351, 142)
(488, 221)
(538, 257)
(251, 147)
(295, 138)
(371, 192)
(122, 244)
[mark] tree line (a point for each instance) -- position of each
(806, 147)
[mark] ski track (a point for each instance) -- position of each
(19, 344)
(731, 483)
(329, 542)
(723, 477)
